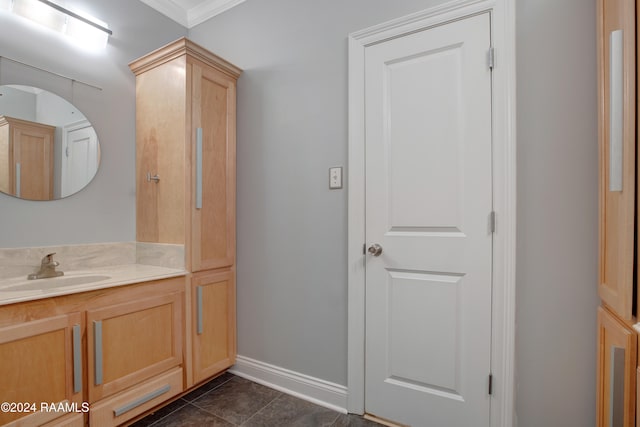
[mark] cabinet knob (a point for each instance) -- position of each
(155, 178)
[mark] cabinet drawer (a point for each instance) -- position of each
(72, 420)
(128, 404)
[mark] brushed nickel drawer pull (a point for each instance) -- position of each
(77, 360)
(141, 401)
(199, 168)
(199, 326)
(97, 346)
(616, 110)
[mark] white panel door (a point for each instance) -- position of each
(428, 205)
(80, 158)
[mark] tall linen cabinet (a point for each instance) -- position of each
(185, 183)
(618, 327)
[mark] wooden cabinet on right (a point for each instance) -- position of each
(617, 284)
(617, 348)
(186, 152)
(186, 185)
(214, 323)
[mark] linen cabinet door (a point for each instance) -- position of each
(616, 380)
(617, 152)
(160, 139)
(214, 323)
(214, 176)
(133, 341)
(42, 359)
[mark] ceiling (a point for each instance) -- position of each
(190, 13)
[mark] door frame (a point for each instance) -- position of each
(504, 193)
(64, 160)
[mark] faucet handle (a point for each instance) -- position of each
(48, 258)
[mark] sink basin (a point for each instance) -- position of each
(55, 283)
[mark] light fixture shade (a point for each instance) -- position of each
(39, 12)
(86, 34)
(84, 30)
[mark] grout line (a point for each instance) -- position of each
(214, 414)
(336, 419)
(170, 413)
(263, 408)
(208, 391)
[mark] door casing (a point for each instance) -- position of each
(504, 185)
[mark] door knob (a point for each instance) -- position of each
(375, 249)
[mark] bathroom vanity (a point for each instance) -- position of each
(109, 342)
(119, 349)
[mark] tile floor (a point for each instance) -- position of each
(231, 401)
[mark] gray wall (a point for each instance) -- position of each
(105, 210)
(292, 126)
(557, 212)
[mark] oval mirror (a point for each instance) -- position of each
(48, 148)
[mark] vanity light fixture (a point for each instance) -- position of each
(85, 29)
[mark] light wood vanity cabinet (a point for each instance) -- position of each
(618, 326)
(617, 351)
(26, 158)
(214, 323)
(37, 355)
(185, 155)
(186, 185)
(133, 341)
(120, 350)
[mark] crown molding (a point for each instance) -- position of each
(196, 15)
(169, 9)
(208, 9)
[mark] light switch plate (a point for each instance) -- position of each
(335, 178)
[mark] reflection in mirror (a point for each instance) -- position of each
(48, 148)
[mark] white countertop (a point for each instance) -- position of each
(19, 289)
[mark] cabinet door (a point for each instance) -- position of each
(617, 152)
(214, 158)
(131, 342)
(616, 382)
(160, 147)
(214, 323)
(42, 360)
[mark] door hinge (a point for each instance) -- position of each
(491, 57)
(490, 384)
(492, 222)
(364, 249)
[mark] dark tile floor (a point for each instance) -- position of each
(231, 401)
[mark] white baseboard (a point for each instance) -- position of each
(315, 390)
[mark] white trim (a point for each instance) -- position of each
(504, 182)
(196, 15)
(315, 390)
(64, 165)
(169, 9)
(208, 9)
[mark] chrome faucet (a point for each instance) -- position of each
(47, 268)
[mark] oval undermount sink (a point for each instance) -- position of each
(55, 283)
